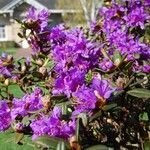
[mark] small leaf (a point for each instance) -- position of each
(58, 97)
(140, 93)
(99, 147)
(143, 116)
(109, 107)
(147, 145)
(20, 35)
(61, 146)
(77, 129)
(89, 76)
(37, 74)
(7, 142)
(117, 58)
(18, 137)
(15, 90)
(26, 120)
(96, 115)
(50, 142)
(84, 118)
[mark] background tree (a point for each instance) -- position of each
(87, 10)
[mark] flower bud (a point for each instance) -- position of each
(43, 70)
(9, 58)
(46, 102)
(6, 82)
(39, 62)
(23, 68)
(74, 143)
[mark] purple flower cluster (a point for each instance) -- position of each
(119, 23)
(53, 125)
(40, 18)
(75, 54)
(29, 102)
(37, 22)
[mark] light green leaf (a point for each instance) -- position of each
(7, 142)
(140, 93)
(18, 137)
(147, 145)
(84, 118)
(15, 90)
(49, 142)
(99, 147)
(109, 107)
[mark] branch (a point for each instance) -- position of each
(84, 7)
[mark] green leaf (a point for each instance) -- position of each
(50, 142)
(20, 35)
(147, 145)
(58, 97)
(109, 107)
(140, 93)
(84, 118)
(7, 142)
(26, 120)
(18, 137)
(143, 116)
(78, 128)
(15, 90)
(99, 147)
(37, 74)
(61, 146)
(89, 76)
(117, 58)
(95, 116)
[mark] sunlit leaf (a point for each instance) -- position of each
(140, 93)
(99, 147)
(49, 142)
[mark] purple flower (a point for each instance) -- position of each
(53, 126)
(137, 17)
(5, 118)
(30, 102)
(106, 65)
(69, 82)
(146, 68)
(5, 68)
(18, 109)
(102, 88)
(85, 100)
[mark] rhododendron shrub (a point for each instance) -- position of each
(82, 88)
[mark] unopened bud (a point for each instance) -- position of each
(39, 62)
(46, 102)
(74, 143)
(23, 68)
(9, 58)
(43, 70)
(6, 82)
